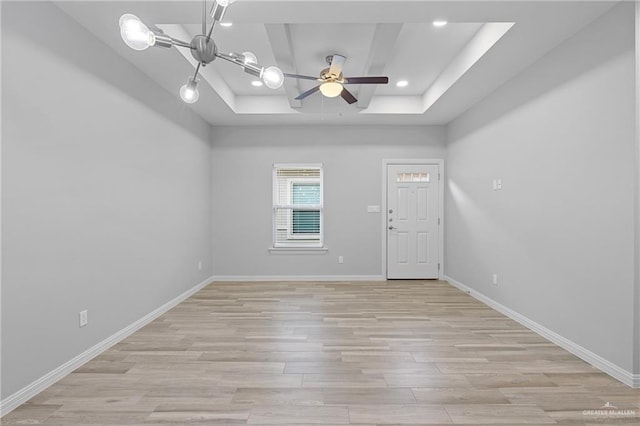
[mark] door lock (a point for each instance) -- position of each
(391, 227)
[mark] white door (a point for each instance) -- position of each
(412, 221)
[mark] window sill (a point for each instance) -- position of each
(298, 250)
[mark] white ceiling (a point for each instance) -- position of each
(448, 69)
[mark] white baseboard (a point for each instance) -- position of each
(595, 360)
(31, 390)
(219, 278)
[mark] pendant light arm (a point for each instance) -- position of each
(213, 24)
(197, 70)
(164, 40)
(233, 58)
(249, 68)
(204, 16)
(180, 43)
(217, 12)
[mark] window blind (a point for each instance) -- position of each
(297, 206)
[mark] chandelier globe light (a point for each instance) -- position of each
(204, 50)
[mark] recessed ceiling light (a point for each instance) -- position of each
(256, 83)
(439, 23)
(226, 24)
(402, 83)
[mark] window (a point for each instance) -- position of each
(297, 205)
(413, 177)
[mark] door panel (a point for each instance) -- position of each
(422, 247)
(403, 203)
(423, 204)
(412, 219)
(403, 247)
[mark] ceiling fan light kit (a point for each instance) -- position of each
(332, 80)
(138, 36)
(331, 89)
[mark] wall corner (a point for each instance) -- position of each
(636, 283)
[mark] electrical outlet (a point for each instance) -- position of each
(499, 184)
(495, 184)
(495, 279)
(340, 259)
(84, 319)
(199, 265)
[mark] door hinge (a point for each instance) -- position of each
(438, 266)
(438, 176)
(438, 221)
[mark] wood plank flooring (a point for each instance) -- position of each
(365, 353)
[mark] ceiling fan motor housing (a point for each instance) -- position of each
(203, 49)
(325, 75)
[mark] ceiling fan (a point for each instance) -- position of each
(332, 81)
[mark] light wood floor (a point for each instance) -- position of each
(396, 352)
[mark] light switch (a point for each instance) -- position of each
(373, 209)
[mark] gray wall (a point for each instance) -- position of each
(106, 202)
(560, 232)
(352, 158)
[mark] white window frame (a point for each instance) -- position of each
(290, 183)
(303, 239)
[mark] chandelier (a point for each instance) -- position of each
(138, 36)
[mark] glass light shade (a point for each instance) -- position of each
(250, 58)
(134, 33)
(273, 77)
(331, 89)
(189, 92)
(225, 3)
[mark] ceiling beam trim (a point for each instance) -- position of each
(280, 38)
(381, 52)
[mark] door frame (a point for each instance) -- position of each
(392, 161)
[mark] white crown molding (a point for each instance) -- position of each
(595, 360)
(23, 395)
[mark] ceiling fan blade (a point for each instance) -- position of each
(308, 92)
(348, 96)
(366, 80)
(337, 62)
(302, 77)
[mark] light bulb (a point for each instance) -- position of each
(225, 3)
(331, 89)
(189, 92)
(134, 33)
(273, 77)
(250, 58)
